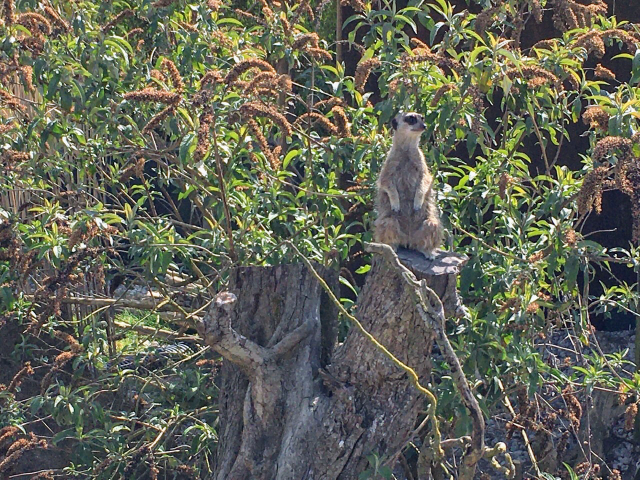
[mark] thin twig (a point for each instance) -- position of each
(541, 140)
(493, 249)
(525, 437)
(223, 194)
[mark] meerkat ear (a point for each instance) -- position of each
(394, 124)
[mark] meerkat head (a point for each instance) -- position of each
(408, 126)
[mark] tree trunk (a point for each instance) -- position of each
(292, 406)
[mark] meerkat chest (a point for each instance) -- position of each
(411, 170)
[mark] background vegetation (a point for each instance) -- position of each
(163, 143)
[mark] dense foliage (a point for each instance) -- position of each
(166, 142)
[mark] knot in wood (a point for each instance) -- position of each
(226, 300)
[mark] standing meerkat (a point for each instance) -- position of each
(405, 201)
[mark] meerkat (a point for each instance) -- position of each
(406, 205)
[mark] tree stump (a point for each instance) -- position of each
(293, 405)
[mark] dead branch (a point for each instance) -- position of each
(217, 332)
(157, 332)
(159, 305)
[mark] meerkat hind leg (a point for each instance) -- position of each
(387, 231)
(427, 238)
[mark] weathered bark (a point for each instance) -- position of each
(290, 407)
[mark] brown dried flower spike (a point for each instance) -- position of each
(263, 80)
(570, 237)
(363, 70)
(535, 75)
(260, 139)
(630, 416)
(11, 101)
(153, 95)
(319, 53)
(158, 118)
(574, 409)
(35, 23)
(440, 92)
(255, 109)
(245, 65)
(117, 19)
(17, 379)
(8, 10)
(604, 73)
(302, 41)
(56, 19)
(176, 78)
(592, 43)
(609, 145)
(590, 194)
(596, 118)
(70, 340)
(212, 77)
(203, 137)
(505, 181)
(341, 121)
(311, 118)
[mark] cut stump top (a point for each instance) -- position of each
(444, 263)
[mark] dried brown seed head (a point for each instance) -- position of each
(604, 73)
(341, 121)
(35, 23)
(596, 118)
(245, 65)
(630, 416)
(252, 109)
(363, 70)
(174, 74)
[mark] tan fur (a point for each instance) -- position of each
(407, 211)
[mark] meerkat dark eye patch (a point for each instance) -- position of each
(411, 120)
(394, 124)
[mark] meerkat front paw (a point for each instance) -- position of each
(417, 204)
(394, 198)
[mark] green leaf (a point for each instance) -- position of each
(291, 154)
(53, 86)
(572, 474)
(363, 269)
(187, 147)
(229, 21)
(63, 435)
(571, 271)
(36, 404)
(119, 48)
(66, 99)
(347, 284)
